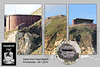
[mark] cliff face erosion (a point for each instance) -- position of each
(84, 34)
(55, 31)
(28, 39)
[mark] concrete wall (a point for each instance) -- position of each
(79, 21)
(13, 21)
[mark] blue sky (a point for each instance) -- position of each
(20, 8)
(55, 9)
(87, 11)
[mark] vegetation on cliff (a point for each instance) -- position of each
(55, 31)
(29, 39)
(84, 34)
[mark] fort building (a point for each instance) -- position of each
(13, 21)
(81, 20)
(52, 17)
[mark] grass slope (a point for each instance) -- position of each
(84, 34)
(55, 31)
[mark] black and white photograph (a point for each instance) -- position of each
(8, 54)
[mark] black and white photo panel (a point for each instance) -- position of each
(8, 54)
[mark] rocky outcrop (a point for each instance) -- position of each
(20, 26)
(53, 50)
(25, 44)
(28, 39)
(24, 41)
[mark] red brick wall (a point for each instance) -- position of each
(73, 22)
(7, 23)
(14, 20)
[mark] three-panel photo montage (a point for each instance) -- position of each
(65, 30)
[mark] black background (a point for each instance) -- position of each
(13, 49)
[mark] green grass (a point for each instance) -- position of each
(84, 35)
(56, 30)
(55, 26)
